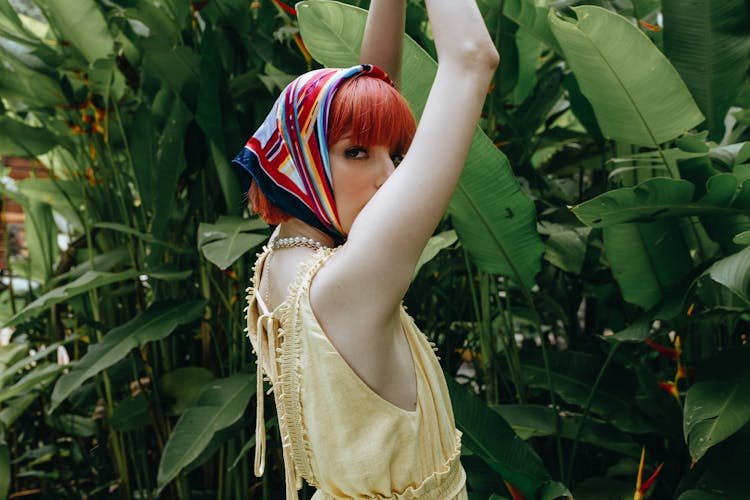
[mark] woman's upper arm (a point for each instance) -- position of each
(382, 43)
(390, 232)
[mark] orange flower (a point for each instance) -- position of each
(642, 488)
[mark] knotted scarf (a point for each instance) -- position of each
(288, 155)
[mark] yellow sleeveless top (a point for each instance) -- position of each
(337, 434)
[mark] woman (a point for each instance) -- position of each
(363, 406)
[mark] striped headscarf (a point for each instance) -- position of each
(288, 155)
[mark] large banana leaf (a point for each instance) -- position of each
(718, 407)
(27, 86)
(156, 323)
(708, 42)
(486, 434)
(637, 95)
(220, 404)
(82, 24)
(19, 139)
(493, 217)
(648, 260)
(734, 273)
(533, 18)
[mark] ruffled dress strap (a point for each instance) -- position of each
(277, 344)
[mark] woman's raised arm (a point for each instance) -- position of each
(382, 43)
(376, 264)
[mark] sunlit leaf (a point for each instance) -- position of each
(220, 404)
(637, 95)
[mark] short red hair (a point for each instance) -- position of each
(368, 109)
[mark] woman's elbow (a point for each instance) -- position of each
(480, 56)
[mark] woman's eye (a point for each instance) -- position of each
(356, 153)
(396, 159)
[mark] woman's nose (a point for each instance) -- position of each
(386, 169)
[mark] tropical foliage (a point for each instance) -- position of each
(588, 290)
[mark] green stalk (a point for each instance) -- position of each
(485, 338)
(120, 460)
(586, 410)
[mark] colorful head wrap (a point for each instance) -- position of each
(288, 155)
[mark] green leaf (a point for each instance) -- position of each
(182, 386)
(493, 217)
(38, 378)
(4, 468)
(648, 260)
(717, 408)
(733, 272)
(652, 199)
(66, 197)
(566, 246)
(742, 238)
(708, 42)
(130, 414)
(146, 237)
(433, 247)
(69, 19)
(574, 374)
(220, 404)
(637, 95)
(28, 87)
(699, 495)
(210, 117)
(71, 424)
(17, 407)
(533, 18)
(156, 323)
(229, 238)
(9, 354)
(143, 147)
(244, 451)
(19, 139)
(87, 282)
(535, 420)
(490, 437)
(12, 361)
(170, 164)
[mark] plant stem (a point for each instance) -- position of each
(586, 410)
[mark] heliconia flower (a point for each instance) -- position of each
(649, 26)
(671, 388)
(302, 48)
(514, 493)
(640, 487)
(289, 10)
(671, 353)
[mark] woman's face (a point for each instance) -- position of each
(358, 172)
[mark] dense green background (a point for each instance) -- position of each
(591, 274)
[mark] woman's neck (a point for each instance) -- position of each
(295, 227)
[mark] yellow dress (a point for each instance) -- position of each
(338, 434)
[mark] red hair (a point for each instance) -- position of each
(367, 109)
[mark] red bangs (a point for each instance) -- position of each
(372, 113)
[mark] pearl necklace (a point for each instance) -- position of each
(296, 241)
